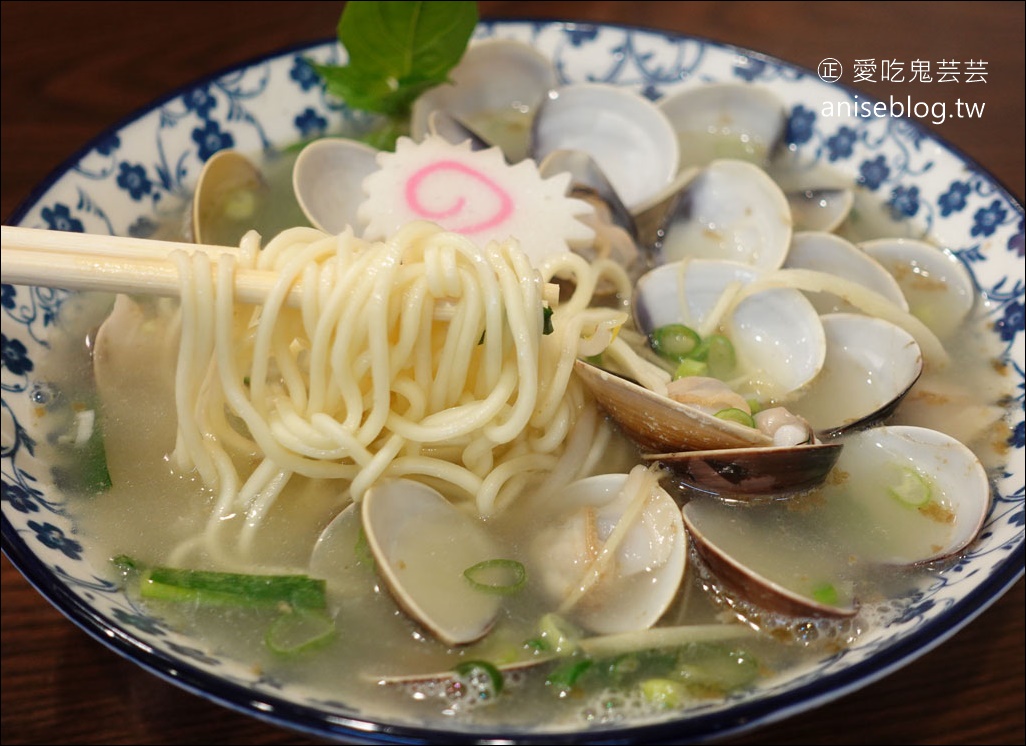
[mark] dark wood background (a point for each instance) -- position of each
(71, 69)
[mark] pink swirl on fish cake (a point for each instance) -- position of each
(416, 182)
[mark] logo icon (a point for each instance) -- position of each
(830, 70)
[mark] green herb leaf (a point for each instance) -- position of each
(396, 51)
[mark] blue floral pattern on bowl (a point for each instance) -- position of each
(131, 179)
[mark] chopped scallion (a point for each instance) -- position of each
(665, 693)
(566, 675)
(674, 341)
(473, 671)
(690, 367)
(223, 588)
(558, 634)
(914, 490)
(299, 631)
(825, 593)
(733, 414)
(501, 576)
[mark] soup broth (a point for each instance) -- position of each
(152, 508)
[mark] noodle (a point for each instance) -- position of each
(420, 355)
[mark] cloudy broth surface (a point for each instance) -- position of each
(151, 509)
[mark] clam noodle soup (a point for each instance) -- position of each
(567, 643)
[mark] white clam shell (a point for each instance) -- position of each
(820, 208)
(776, 333)
(661, 424)
(826, 252)
(335, 558)
(939, 289)
(730, 210)
(629, 138)
(756, 552)
(959, 503)
(422, 545)
(225, 172)
(645, 573)
(327, 180)
(727, 120)
(501, 114)
(870, 365)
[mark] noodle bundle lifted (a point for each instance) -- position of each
(423, 355)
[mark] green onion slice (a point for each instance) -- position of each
(299, 631)
(501, 576)
(914, 490)
(225, 588)
(733, 414)
(473, 669)
(567, 674)
(674, 341)
(719, 354)
(691, 367)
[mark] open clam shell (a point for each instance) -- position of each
(422, 545)
(730, 210)
(727, 120)
(820, 208)
(660, 424)
(327, 180)
(500, 114)
(776, 333)
(870, 365)
(827, 252)
(613, 553)
(752, 473)
(938, 287)
(922, 495)
(734, 540)
(630, 139)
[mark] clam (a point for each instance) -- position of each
(660, 424)
(422, 545)
(776, 332)
(227, 198)
(870, 365)
(921, 497)
(327, 180)
(730, 210)
(927, 499)
(499, 114)
(727, 120)
(703, 451)
(588, 181)
(452, 129)
(826, 252)
(939, 289)
(336, 556)
(613, 553)
(751, 473)
(733, 539)
(628, 137)
(820, 208)
(234, 196)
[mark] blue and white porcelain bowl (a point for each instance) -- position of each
(131, 178)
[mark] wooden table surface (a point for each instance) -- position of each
(71, 70)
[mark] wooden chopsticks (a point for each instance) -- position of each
(117, 264)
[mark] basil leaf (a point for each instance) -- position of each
(406, 41)
(397, 50)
